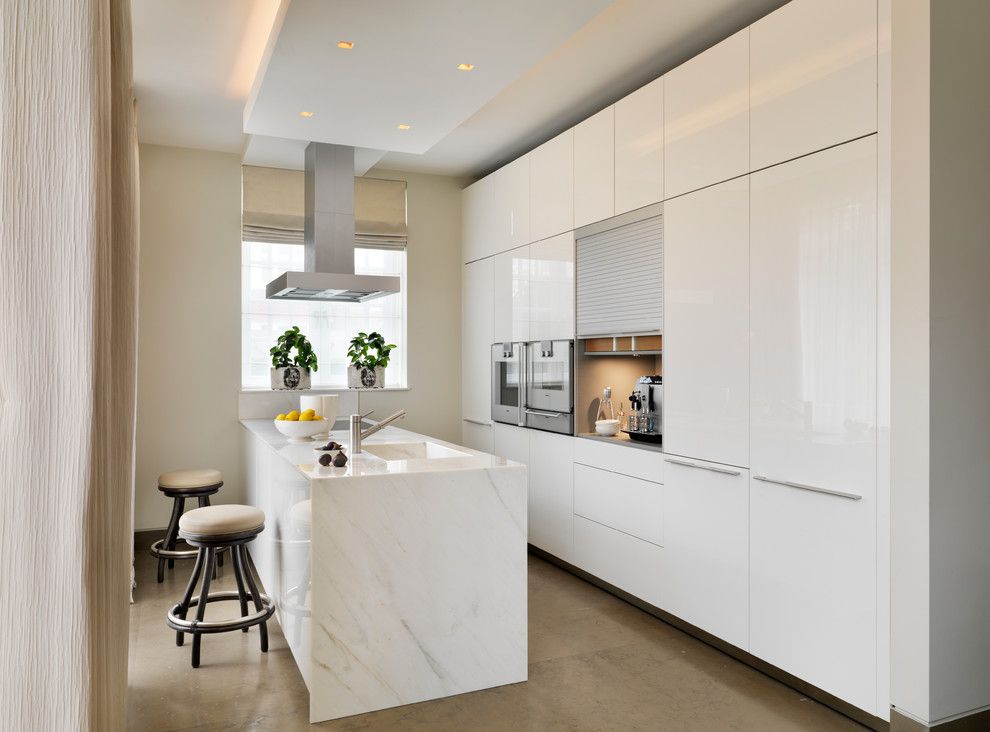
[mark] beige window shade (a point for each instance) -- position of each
(273, 208)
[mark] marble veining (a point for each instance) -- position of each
(415, 581)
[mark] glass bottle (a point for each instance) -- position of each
(605, 406)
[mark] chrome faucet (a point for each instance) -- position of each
(357, 434)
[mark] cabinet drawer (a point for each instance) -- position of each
(630, 505)
(624, 561)
(625, 459)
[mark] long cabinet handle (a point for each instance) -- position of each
(476, 421)
(712, 468)
(806, 487)
(544, 414)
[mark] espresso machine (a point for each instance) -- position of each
(645, 422)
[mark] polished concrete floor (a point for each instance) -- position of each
(595, 663)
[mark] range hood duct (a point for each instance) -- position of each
(328, 274)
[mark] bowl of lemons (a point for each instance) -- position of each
(301, 426)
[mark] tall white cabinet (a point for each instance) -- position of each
(639, 148)
(813, 365)
(706, 324)
(477, 336)
(594, 168)
(551, 182)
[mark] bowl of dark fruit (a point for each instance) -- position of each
(330, 455)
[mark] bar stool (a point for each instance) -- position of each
(179, 485)
(212, 529)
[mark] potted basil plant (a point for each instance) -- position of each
(369, 356)
(288, 371)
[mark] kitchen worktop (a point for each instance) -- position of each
(622, 439)
(395, 580)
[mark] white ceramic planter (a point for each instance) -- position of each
(361, 378)
(290, 378)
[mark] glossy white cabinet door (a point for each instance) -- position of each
(706, 323)
(630, 505)
(813, 289)
(551, 209)
(706, 547)
(511, 442)
(477, 436)
(638, 148)
(813, 413)
(706, 117)
(478, 220)
(813, 589)
(512, 295)
(512, 204)
(551, 288)
(551, 487)
(813, 77)
(631, 564)
(594, 168)
(477, 337)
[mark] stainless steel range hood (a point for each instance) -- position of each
(329, 236)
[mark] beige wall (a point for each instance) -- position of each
(189, 322)
(189, 348)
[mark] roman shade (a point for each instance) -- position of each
(273, 202)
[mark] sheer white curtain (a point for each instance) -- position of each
(68, 263)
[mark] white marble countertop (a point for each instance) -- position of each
(302, 456)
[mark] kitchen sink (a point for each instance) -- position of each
(412, 451)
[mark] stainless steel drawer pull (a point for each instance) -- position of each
(805, 487)
(553, 415)
(712, 468)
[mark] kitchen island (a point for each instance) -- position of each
(398, 578)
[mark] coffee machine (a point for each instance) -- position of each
(645, 421)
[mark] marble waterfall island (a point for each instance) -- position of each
(398, 578)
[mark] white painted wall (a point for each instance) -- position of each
(909, 363)
(189, 396)
(960, 357)
(189, 322)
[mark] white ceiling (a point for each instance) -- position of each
(194, 63)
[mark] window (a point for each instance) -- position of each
(328, 325)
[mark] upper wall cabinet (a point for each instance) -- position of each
(551, 288)
(638, 148)
(594, 168)
(478, 220)
(813, 77)
(706, 117)
(551, 194)
(511, 196)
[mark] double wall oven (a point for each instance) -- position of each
(533, 385)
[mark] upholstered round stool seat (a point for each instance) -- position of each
(189, 480)
(216, 522)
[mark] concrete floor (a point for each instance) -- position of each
(595, 663)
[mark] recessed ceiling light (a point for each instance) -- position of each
(403, 127)
(346, 45)
(465, 67)
(306, 114)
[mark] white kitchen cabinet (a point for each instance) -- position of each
(477, 337)
(706, 547)
(551, 489)
(813, 77)
(706, 323)
(813, 586)
(639, 148)
(630, 505)
(594, 168)
(478, 220)
(511, 204)
(511, 299)
(813, 289)
(511, 442)
(551, 288)
(551, 195)
(706, 117)
(631, 564)
(813, 412)
(477, 436)
(645, 463)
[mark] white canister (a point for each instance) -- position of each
(314, 402)
(328, 406)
